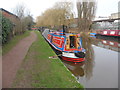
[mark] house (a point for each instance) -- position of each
(13, 18)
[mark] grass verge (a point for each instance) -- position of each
(8, 46)
(38, 71)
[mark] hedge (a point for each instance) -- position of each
(7, 28)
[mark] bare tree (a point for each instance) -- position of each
(20, 10)
(26, 19)
(86, 12)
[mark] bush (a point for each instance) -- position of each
(7, 28)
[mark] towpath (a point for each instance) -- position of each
(13, 59)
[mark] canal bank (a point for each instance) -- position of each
(40, 71)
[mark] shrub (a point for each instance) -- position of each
(7, 28)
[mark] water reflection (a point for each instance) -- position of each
(111, 43)
(89, 63)
(77, 69)
(100, 51)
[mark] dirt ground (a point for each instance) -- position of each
(13, 59)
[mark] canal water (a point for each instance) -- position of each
(100, 69)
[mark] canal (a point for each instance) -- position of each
(100, 69)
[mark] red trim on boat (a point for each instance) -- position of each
(73, 59)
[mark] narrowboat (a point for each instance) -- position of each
(109, 32)
(69, 44)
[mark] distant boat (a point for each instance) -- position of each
(92, 34)
(109, 32)
(69, 44)
(107, 27)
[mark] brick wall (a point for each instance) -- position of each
(14, 19)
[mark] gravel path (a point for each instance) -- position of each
(13, 59)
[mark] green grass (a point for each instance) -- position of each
(8, 46)
(38, 71)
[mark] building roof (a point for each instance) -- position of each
(8, 12)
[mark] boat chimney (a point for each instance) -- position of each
(64, 29)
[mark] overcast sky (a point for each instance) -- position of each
(36, 7)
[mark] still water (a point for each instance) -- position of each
(100, 69)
